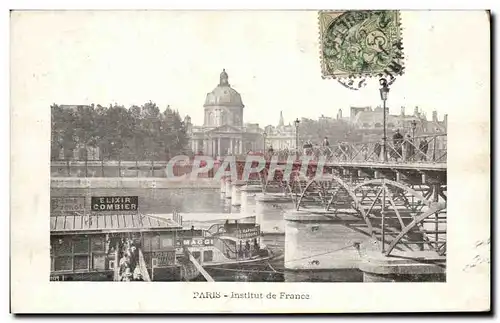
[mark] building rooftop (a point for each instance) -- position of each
(63, 224)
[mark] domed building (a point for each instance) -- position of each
(223, 106)
(223, 131)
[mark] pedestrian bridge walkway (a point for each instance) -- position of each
(418, 153)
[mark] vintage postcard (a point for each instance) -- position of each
(250, 161)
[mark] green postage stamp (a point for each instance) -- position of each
(363, 43)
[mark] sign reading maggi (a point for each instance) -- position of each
(115, 203)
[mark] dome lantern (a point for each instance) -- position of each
(224, 78)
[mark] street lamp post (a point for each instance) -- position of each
(413, 128)
(296, 123)
(384, 90)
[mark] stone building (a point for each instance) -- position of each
(370, 122)
(223, 131)
(281, 136)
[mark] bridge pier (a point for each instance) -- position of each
(229, 187)
(269, 210)
(413, 267)
(247, 199)
(325, 243)
(223, 186)
(236, 192)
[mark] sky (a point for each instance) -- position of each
(272, 58)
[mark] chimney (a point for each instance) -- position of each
(434, 116)
(445, 120)
(403, 111)
(415, 112)
(339, 115)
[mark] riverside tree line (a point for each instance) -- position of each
(137, 133)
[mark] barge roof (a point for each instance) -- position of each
(109, 223)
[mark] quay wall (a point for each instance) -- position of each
(155, 195)
(128, 182)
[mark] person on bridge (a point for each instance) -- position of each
(270, 151)
(377, 150)
(424, 146)
(397, 139)
(326, 147)
(307, 147)
(409, 148)
(326, 143)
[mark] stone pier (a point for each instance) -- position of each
(415, 266)
(236, 192)
(325, 243)
(223, 185)
(229, 188)
(269, 212)
(247, 199)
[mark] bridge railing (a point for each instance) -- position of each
(421, 149)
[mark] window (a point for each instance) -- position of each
(166, 241)
(155, 242)
(98, 244)
(208, 256)
(146, 242)
(63, 263)
(98, 249)
(378, 125)
(81, 244)
(81, 262)
(99, 262)
(62, 245)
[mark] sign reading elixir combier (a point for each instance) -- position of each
(115, 203)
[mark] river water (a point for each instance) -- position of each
(209, 200)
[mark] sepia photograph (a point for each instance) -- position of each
(201, 146)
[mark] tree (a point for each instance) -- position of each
(151, 130)
(63, 135)
(137, 133)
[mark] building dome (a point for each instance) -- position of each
(223, 94)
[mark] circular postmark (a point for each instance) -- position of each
(362, 44)
(353, 84)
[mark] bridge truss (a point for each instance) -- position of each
(405, 212)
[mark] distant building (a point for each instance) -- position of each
(223, 131)
(281, 136)
(370, 122)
